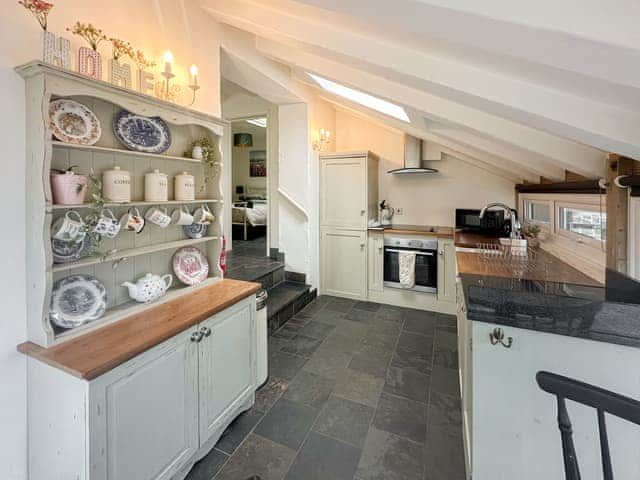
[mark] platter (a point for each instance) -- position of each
(73, 122)
(140, 133)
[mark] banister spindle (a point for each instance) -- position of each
(571, 469)
(607, 470)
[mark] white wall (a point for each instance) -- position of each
(165, 24)
(426, 200)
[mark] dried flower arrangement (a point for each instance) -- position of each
(120, 48)
(141, 61)
(39, 8)
(91, 34)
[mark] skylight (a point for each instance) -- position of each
(369, 101)
(260, 122)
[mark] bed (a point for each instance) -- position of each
(249, 219)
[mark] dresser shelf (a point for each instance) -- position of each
(197, 201)
(128, 253)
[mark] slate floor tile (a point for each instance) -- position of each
(209, 466)
(287, 331)
(238, 431)
(444, 411)
(353, 330)
(445, 349)
(310, 389)
(342, 305)
(392, 313)
(270, 393)
(444, 455)
(258, 456)
(341, 341)
(384, 326)
(345, 420)
(401, 416)
(445, 380)
(408, 383)
(323, 458)
(302, 346)
(371, 358)
(388, 457)
(285, 366)
(360, 316)
(413, 351)
(423, 323)
(287, 423)
(317, 330)
(359, 387)
(328, 362)
(368, 306)
(328, 317)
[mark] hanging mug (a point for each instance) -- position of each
(69, 229)
(181, 216)
(203, 216)
(132, 221)
(158, 216)
(107, 224)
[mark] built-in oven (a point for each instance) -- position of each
(426, 251)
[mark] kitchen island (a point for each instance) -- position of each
(515, 322)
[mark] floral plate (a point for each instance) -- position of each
(195, 230)
(69, 251)
(73, 122)
(190, 265)
(140, 133)
(76, 300)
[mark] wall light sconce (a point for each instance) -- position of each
(193, 84)
(167, 73)
(324, 138)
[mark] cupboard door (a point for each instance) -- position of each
(375, 255)
(144, 414)
(343, 195)
(226, 368)
(344, 263)
(446, 271)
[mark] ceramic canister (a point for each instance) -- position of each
(116, 185)
(156, 187)
(185, 187)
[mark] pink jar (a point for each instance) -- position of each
(68, 188)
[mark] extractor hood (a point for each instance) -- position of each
(412, 159)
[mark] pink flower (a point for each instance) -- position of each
(39, 8)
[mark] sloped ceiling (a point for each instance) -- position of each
(541, 87)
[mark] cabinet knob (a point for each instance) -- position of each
(196, 337)
(206, 331)
(362, 212)
(441, 253)
(497, 336)
(362, 245)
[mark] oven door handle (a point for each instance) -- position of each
(428, 254)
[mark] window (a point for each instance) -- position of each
(537, 212)
(583, 221)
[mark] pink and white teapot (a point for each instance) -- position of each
(149, 288)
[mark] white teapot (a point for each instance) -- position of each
(149, 288)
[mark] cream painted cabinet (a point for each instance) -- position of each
(227, 366)
(344, 263)
(348, 190)
(145, 414)
(375, 264)
(446, 270)
(465, 366)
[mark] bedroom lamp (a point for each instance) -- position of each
(242, 140)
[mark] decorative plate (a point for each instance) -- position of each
(76, 300)
(190, 265)
(70, 251)
(73, 122)
(144, 134)
(195, 230)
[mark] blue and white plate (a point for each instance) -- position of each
(195, 230)
(65, 251)
(76, 300)
(143, 134)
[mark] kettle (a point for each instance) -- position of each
(149, 287)
(386, 213)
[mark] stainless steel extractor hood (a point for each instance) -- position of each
(412, 159)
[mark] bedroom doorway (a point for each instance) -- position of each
(249, 186)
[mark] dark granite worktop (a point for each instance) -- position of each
(551, 307)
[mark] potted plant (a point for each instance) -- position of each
(531, 231)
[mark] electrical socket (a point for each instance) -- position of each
(399, 211)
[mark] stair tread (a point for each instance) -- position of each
(283, 294)
(251, 268)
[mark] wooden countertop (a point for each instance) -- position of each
(97, 352)
(427, 231)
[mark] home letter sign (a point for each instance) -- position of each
(145, 82)
(119, 74)
(57, 51)
(90, 63)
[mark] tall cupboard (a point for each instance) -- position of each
(348, 199)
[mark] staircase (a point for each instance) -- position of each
(288, 292)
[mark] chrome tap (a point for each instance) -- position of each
(516, 232)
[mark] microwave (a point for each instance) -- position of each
(469, 220)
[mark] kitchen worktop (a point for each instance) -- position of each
(95, 353)
(425, 230)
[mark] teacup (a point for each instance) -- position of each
(68, 228)
(181, 216)
(107, 224)
(158, 216)
(132, 221)
(203, 216)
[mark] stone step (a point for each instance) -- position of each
(263, 270)
(285, 300)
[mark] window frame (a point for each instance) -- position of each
(580, 239)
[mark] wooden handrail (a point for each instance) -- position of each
(290, 199)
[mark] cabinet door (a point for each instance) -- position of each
(343, 193)
(375, 255)
(446, 270)
(344, 263)
(144, 414)
(226, 366)
(465, 365)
